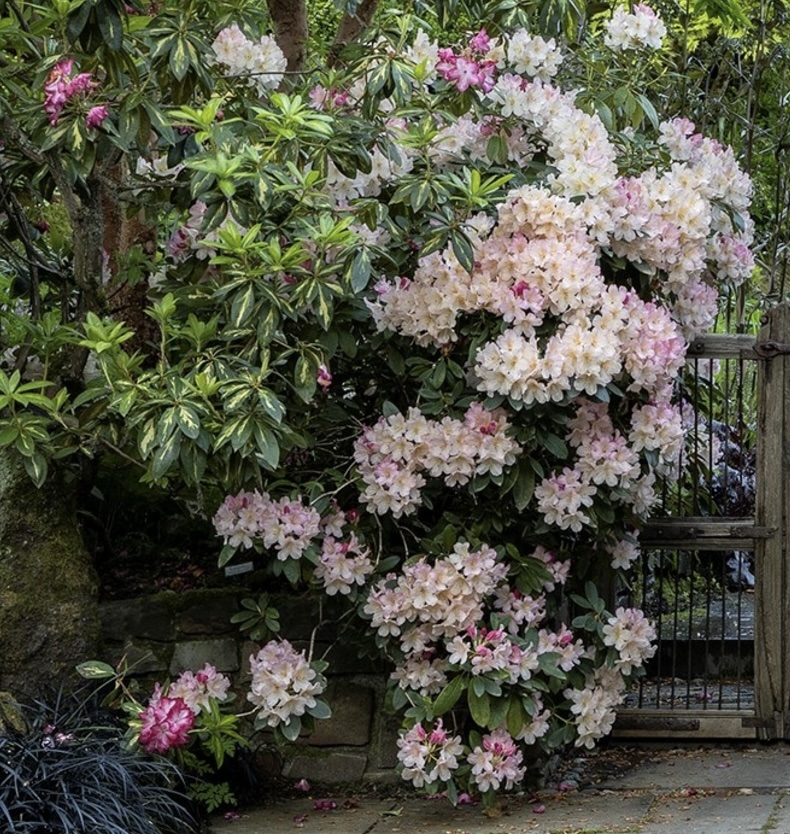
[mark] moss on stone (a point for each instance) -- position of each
(48, 588)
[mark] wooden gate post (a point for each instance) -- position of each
(772, 590)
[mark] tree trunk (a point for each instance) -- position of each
(48, 589)
(352, 25)
(289, 21)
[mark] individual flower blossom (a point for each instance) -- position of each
(497, 763)
(166, 724)
(96, 116)
(624, 553)
(283, 684)
(426, 756)
(642, 28)
(324, 377)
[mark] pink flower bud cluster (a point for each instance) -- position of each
(497, 763)
(428, 756)
(261, 62)
(284, 684)
(287, 526)
(394, 455)
(641, 29)
(60, 87)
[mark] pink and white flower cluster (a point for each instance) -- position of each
(286, 525)
(497, 763)
(639, 29)
(261, 62)
(343, 565)
(198, 689)
(428, 756)
(171, 714)
(284, 685)
(395, 455)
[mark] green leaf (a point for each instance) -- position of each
(516, 716)
(524, 488)
(165, 455)
(321, 710)
(449, 696)
(188, 421)
(268, 447)
(36, 468)
(95, 670)
(360, 270)
(179, 58)
(110, 26)
(479, 707)
(226, 554)
(292, 729)
(242, 307)
(292, 570)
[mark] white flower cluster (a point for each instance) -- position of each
(637, 30)
(394, 455)
(262, 62)
(593, 706)
(631, 634)
(283, 683)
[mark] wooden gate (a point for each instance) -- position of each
(714, 575)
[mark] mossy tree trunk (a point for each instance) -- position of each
(48, 589)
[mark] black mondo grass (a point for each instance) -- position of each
(67, 772)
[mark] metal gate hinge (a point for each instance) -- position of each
(769, 348)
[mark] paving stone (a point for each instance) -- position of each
(299, 815)
(714, 768)
(209, 616)
(142, 658)
(733, 814)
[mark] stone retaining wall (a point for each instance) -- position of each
(163, 635)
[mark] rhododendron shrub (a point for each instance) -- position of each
(535, 338)
(421, 322)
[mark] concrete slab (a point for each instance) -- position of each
(298, 815)
(767, 767)
(733, 814)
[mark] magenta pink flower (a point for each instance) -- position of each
(166, 724)
(324, 377)
(96, 115)
(60, 88)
